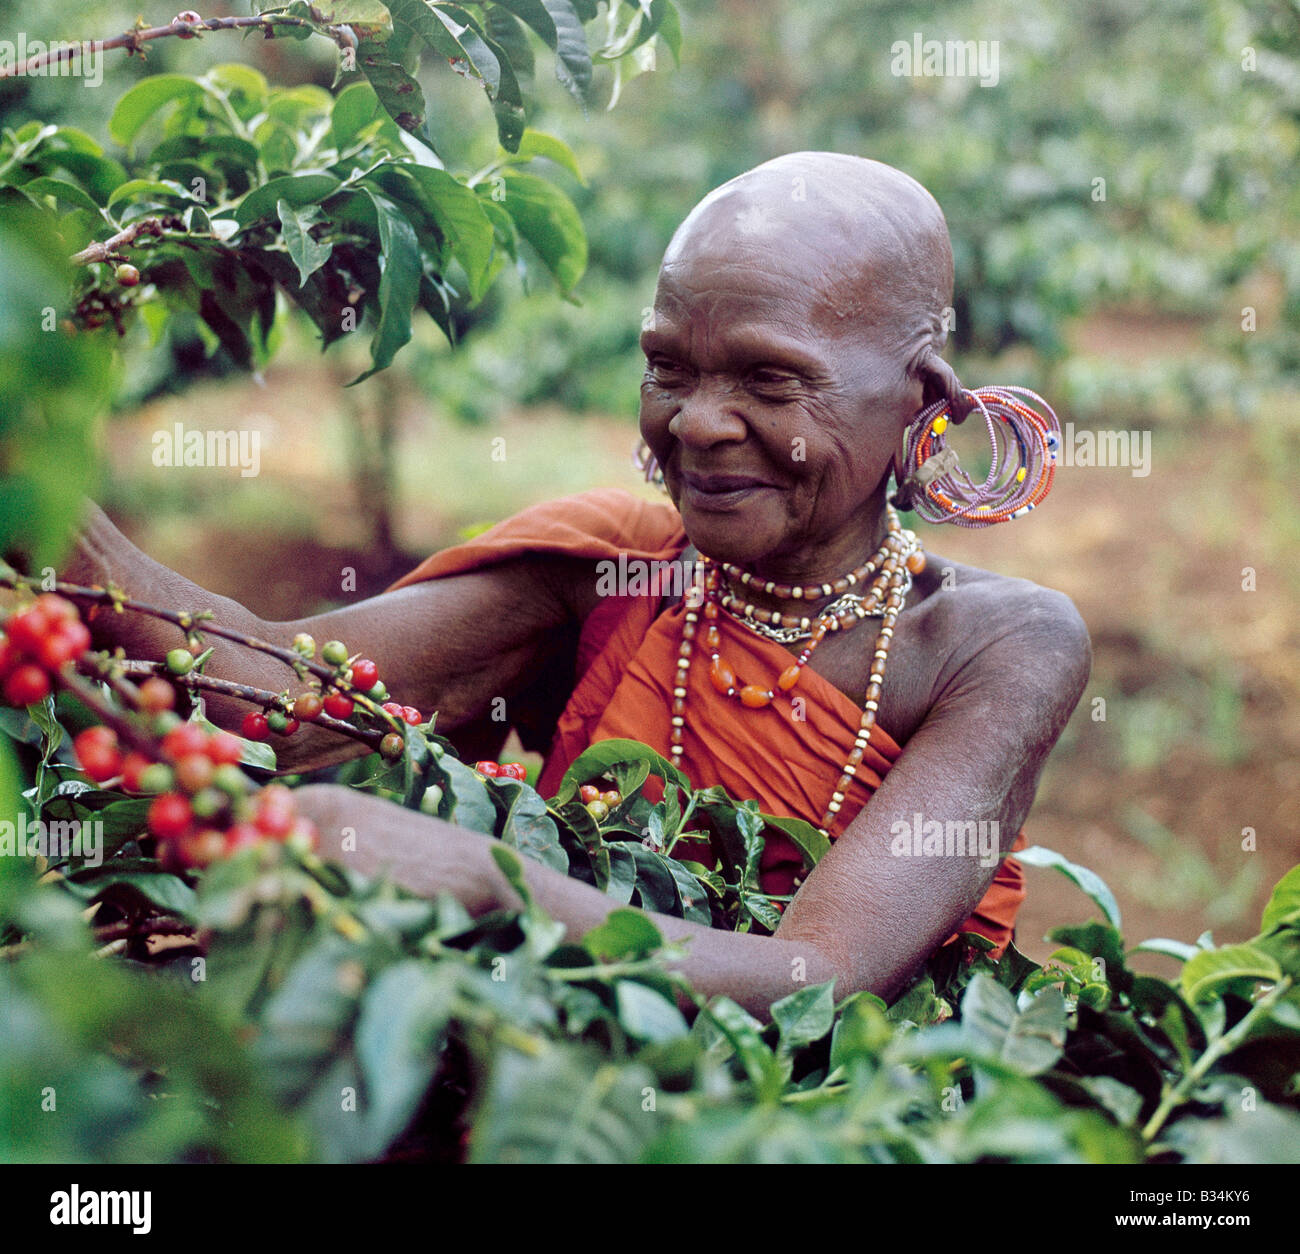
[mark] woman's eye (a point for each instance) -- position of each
(665, 368)
(772, 380)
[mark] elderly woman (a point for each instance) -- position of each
(795, 338)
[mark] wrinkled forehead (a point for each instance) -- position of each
(849, 239)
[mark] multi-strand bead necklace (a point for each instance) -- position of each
(887, 578)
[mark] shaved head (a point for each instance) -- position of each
(869, 238)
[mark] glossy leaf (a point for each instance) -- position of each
(1089, 881)
(307, 254)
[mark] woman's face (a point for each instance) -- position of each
(774, 401)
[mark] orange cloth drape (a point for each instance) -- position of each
(627, 657)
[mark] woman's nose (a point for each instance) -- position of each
(709, 414)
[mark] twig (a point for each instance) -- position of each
(132, 39)
(245, 692)
(128, 235)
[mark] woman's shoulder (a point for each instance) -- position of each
(980, 613)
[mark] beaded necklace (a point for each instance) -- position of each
(890, 569)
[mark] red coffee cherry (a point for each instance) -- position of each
(157, 695)
(202, 848)
(589, 793)
(392, 746)
(338, 706)
(169, 816)
(26, 685)
(308, 707)
(182, 741)
(365, 674)
(194, 772)
(224, 749)
(97, 751)
(133, 767)
(255, 727)
(241, 836)
(412, 716)
(127, 274)
(490, 769)
(65, 641)
(514, 770)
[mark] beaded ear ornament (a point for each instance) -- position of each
(1025, 445)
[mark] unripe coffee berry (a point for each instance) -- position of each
(304, 644)
(157, 777)
(589, 793)
(308, 707)
(207, 803)
(335, 652)
(277, 720)
(378, 693)
(180, 661)
(431, 800)
(128, 275)
(230, 779)
(598, 810)
(392, 746)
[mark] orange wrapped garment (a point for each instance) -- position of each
(627, 656)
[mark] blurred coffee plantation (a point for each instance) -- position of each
(1122, 202)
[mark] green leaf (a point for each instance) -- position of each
(399, 285)
(766, 1071)
(510, 866)
(624, 934)
(561, 30)
(1207, 971)
(805, 1016)
(147, 189)
(1170, 948)
(142, 101)
(369, 19)
(295, 189)
(399, 1037)
(354, 109)
(1283, 907)
(69, 193)
(601, 757)
(812, 844)
(547, 219)
(564, 1106)
(306, 253)
(1030, 1041)
(525, 824)
(398, 92)
(647, 1015)
(1089, 881)
(460, 216)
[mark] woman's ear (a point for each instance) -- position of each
(939, 382)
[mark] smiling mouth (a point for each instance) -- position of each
(719, 492)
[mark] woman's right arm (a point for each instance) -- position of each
(448, 645)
